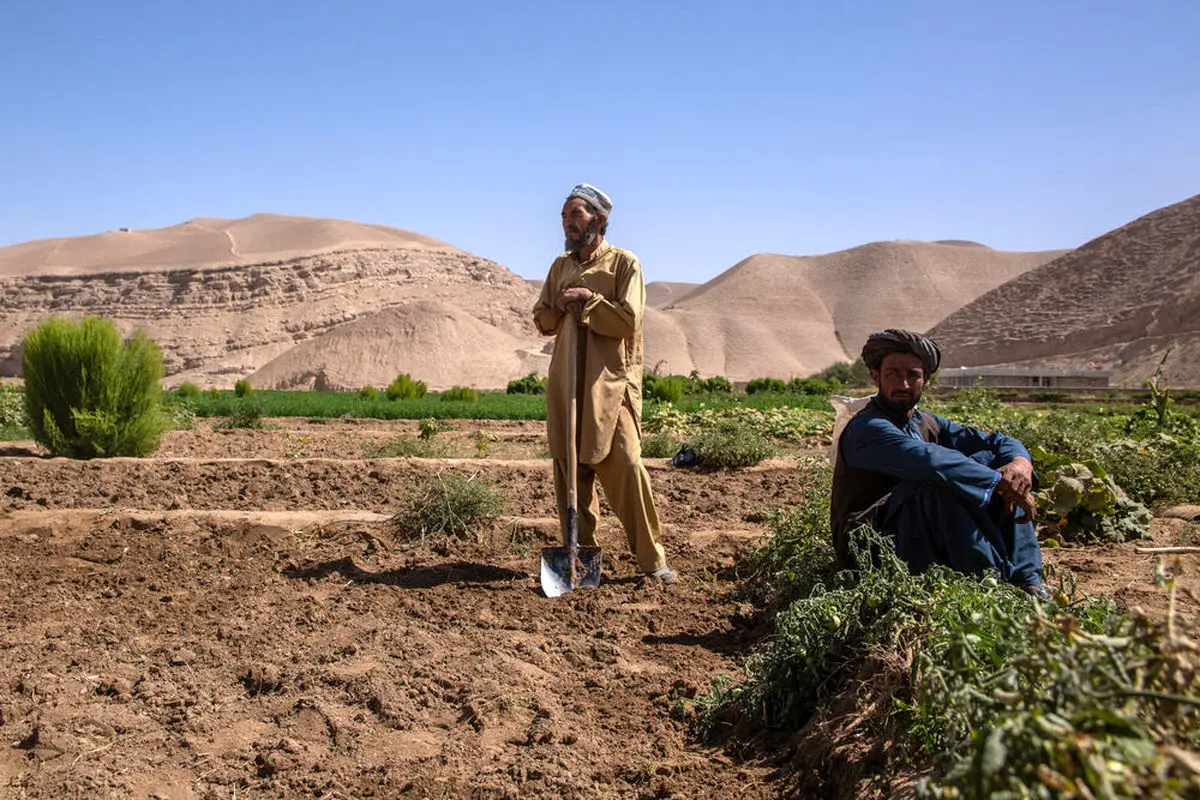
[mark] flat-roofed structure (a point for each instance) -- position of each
(966, 377)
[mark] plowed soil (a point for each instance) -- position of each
(198, 625)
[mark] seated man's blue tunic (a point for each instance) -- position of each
(943, 507)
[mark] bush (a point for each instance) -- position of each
(530, 384)
(368, 393)
(245, 413)
(729, 445)
(242, 388)
(89, 394)
(447, 504)
(799, 555)
(717, 384)
(664, 388)
(407, 447)
(461, 394)
(403, 387)
(847, 374)
(188, 390)
(814, 386)
(766, 385)
(12, 406)
(660, 445)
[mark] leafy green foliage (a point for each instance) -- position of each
(428, 428)
(331, 405)
(408, 447)
(530, 384)
(762, 385)
(664, 388)
(1082, 503)
(847, 374)
(729, 445)
(814, 386)
(780, 422)
(368, 393)
(187, 390)
(89, 394)
(447, 504)
(247, 412)
(660, 445)
(403, 387)
(798, 555)
(12, 406)
(460, 394)
(242, 388)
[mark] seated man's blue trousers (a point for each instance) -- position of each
(932, 525)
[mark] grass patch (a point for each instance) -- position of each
(447, 505)
(730, 445)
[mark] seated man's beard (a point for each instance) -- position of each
(574, 244)
(899, 406)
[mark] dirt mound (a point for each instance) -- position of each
(201, 242)
(438, 342)
(1115, 303)
(786, 316)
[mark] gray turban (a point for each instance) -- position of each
(598, 200)
(893, 340)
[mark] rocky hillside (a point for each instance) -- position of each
(1117, 303)
(219, 323)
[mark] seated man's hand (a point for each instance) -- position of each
(1016, 479)
(1023, 508)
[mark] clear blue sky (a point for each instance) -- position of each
(719, 129)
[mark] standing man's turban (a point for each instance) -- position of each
(598, 200)
(893, 340)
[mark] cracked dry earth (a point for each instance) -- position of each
(205, 627)
(200, 626)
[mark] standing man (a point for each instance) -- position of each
(946, 493)
(593, 299)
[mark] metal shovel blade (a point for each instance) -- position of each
(556, 569)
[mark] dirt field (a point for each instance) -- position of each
(201, 626)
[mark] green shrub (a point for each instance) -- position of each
(660, 445)
(717, 384)
(665, 388)
(242, 388)
(428, 428)
(245, 413)
(766, 385)
(729, 445)
(368, 393)
(461, 394)
(188, 390)
(530, 384)
(403, 387)
(447, 504)
(214, 394)
(813, 386)
(846, 374)
(12, 406)
(89, 394)
(798, 556)
(407, 447)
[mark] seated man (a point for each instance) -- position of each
(946, 493)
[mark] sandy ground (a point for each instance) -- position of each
(201, 626)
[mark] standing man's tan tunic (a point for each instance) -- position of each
(609, 394)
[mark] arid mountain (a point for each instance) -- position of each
(664, 293)
(788, 316)
(1117, 303)
(298, 302)
(219, 323)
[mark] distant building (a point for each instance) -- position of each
(966, 377)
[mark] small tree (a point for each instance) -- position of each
(463, 394)
(242, 388)
(188, 390)
(404, 387)
(89, 394)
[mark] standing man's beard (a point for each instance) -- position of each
(574, 242)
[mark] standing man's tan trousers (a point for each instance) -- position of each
(627, 488)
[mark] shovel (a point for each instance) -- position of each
(570, 567)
